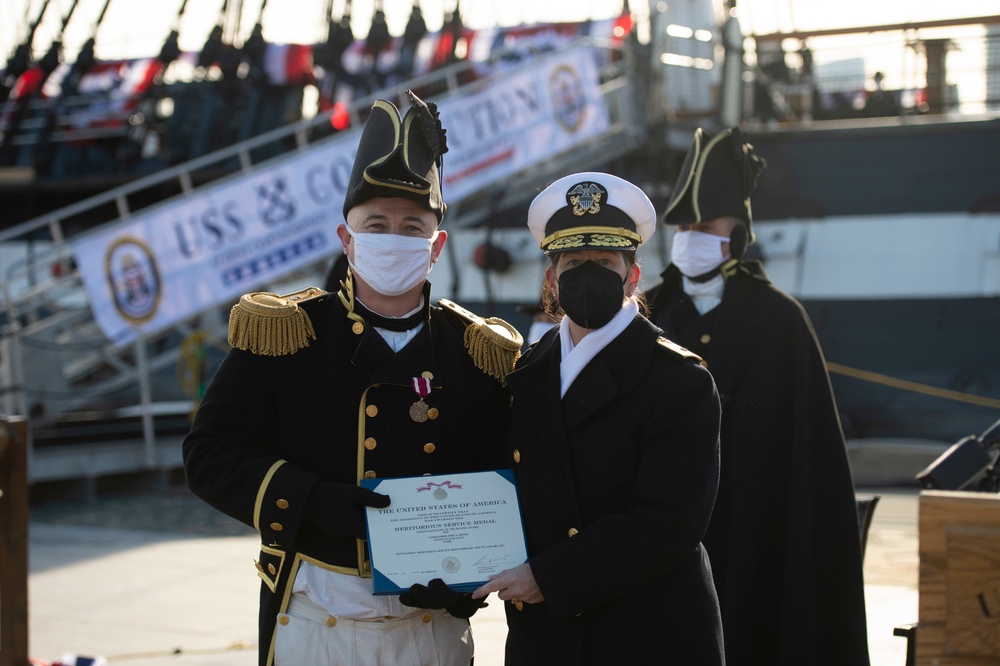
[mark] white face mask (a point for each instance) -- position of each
(389, 263)
(696, 253)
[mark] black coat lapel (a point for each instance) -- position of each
(593, 388)
(534, 386)
(616, 369)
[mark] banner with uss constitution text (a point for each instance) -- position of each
(151, 271)
(525, 118)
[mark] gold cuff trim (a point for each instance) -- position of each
(262, 490)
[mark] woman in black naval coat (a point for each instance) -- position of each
(614, 440)
(784, 538)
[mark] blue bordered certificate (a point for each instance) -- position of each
(461, 528)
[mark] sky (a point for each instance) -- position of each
(137, 28)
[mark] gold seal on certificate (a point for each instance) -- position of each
(461, 528)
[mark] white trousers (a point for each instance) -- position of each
(308, 635)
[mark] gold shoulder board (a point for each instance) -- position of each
(493, 344)
(267, 324)
(677, 350)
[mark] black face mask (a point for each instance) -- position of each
(591, 295)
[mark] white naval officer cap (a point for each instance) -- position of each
(591, 211)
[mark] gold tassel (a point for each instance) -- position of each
(266, 324)
(493, 351)
(493, 344)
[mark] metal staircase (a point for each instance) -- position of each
(98, 407)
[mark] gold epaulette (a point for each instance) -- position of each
(493, 344)
(267, 324)
(677, 350)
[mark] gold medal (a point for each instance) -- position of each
(418, 410)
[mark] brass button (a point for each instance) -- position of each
(283, 620)
(277, 527)
(433, 413)
(429, 447)
(705, 338)
(367, 565)
(371, 410)
(426, 618)
(518, 604)
(358, 328)
(331, 621)
(270, 567)
(517, 456)
(573, 531)
(282, 504)
(427, 374)
(370, 444)
(370, 474)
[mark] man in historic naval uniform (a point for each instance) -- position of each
(323, 389)
(783, 539)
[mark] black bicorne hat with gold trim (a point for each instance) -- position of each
(718, 177)
(400, 156)
(591, 211)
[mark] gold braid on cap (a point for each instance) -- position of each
(267, 324)
(493, 344)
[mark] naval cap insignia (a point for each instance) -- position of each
(586, 198)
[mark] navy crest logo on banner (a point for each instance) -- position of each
(569, 100)
(274, 201)
(134, 278)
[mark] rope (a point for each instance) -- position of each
(886, 380)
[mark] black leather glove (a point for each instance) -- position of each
(438, 595)
(337, 507)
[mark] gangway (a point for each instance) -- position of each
(83, 390)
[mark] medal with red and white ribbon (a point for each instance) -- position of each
(422, 387)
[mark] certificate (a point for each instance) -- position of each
(461, 528)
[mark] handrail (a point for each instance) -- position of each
(44, 310)
(889, 27)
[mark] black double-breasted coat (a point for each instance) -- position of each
(617, 481)
(271, 427)
(783, 540)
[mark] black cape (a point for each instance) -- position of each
(783, 539)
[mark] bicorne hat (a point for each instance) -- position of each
(718, 176)
(400, 156)
(591, 211)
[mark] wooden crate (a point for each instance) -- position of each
(959, 579)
